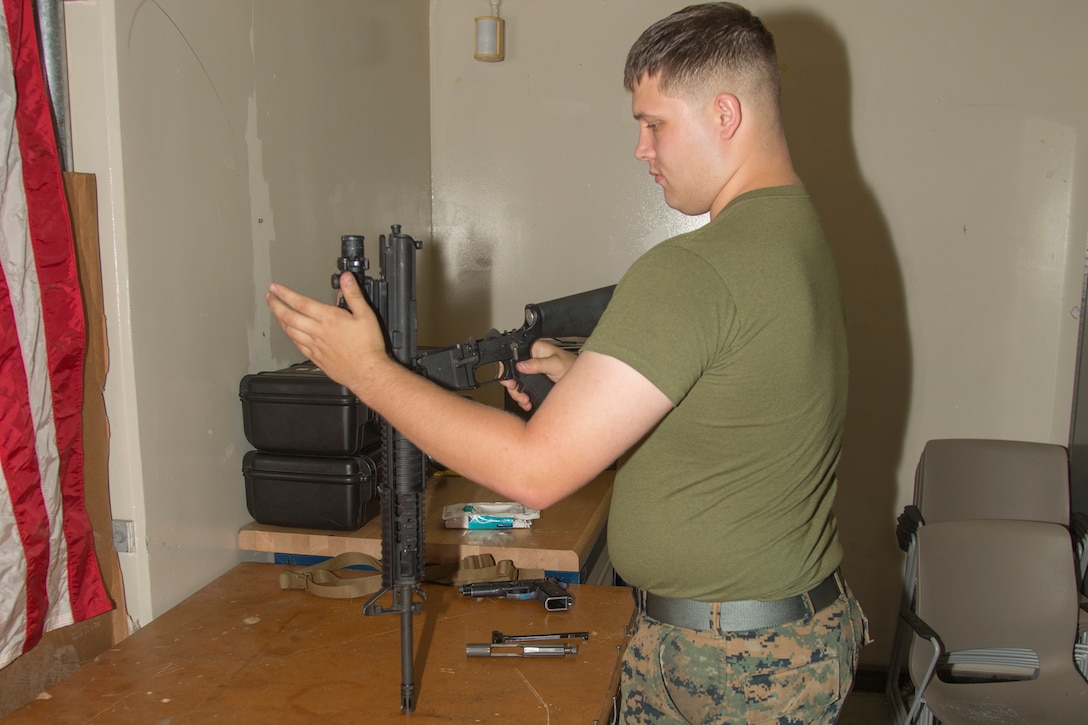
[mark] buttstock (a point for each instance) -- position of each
(572, 316)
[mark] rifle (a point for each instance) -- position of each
(456, 367)
(402, 472)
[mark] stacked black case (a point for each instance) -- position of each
(315, 463)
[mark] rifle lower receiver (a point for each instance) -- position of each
(457, 367)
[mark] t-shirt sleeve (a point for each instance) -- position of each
(668, 319)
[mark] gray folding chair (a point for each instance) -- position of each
(995, 621)
(964, 478)
(967, 479)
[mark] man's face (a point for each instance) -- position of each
(681, 143)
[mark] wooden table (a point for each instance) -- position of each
(242, 650)
(563, 541)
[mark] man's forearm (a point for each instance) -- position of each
(485, 444)
(599, 409)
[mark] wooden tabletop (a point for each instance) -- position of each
(242, 650)
(560, 540)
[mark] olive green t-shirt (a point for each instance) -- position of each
(740, 324)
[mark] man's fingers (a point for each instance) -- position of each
(300, 317)
(288, 297)
(519, 397)
(554, 364)
(280, 309)
(288, 321)
(349, 288)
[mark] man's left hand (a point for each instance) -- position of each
(344, 344)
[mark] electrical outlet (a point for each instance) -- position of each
(124, 536)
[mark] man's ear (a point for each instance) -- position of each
(727, 108)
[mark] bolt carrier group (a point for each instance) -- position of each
(520, 650)
(514, 645)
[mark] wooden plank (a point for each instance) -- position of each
(560, 540)
(243, 650)
(82, 192)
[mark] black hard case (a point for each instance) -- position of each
(301, 410)
(312, 492)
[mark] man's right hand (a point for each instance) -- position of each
(547, 359)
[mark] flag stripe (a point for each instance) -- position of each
(48, 595)
(25, 552)
(54, 255)
(23, 555)
(41, 360)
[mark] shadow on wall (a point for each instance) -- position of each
(457, 310)
(450, 313)
(817, 109)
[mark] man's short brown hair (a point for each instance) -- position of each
(706, 49)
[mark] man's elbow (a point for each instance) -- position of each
(541, 492)
(539, 500)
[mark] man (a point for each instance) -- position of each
(717, 376)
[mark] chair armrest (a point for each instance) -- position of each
(989, 664)
(907, 525)
(1078, 524)
(921, 628)
(926, 632)
(1078, 528)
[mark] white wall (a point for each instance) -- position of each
(253, 134)
(940, 142)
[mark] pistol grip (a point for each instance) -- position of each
(536, 385)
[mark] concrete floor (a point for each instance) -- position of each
(865, 708)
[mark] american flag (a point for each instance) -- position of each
(49, 576)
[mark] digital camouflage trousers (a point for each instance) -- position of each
(794, 674)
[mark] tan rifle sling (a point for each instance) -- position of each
(324, 580)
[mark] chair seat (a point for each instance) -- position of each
(994, 663)
(1062, 700)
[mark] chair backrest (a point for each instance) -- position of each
(997, 583)
(961, 478)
